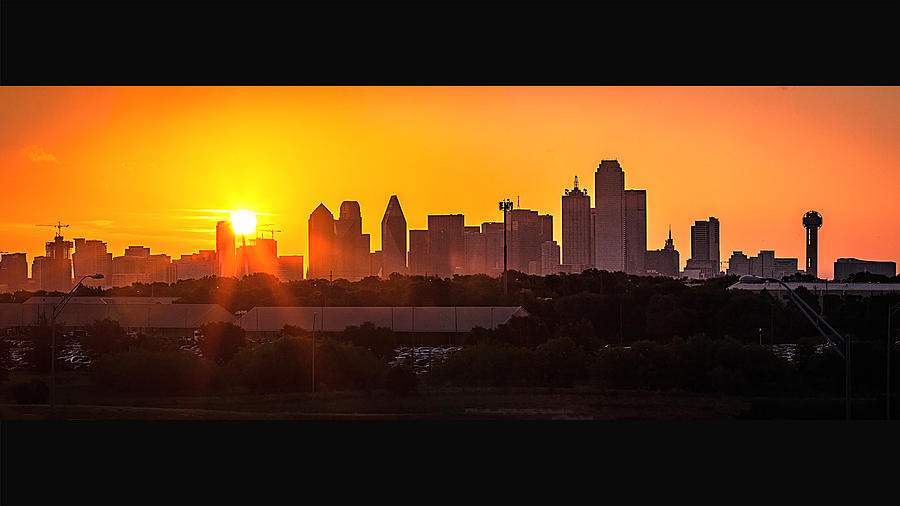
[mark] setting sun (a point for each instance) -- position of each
(243, 221)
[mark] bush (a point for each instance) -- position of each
(699, 365)
(347, 366)
(105, 336)
(379, 340)
(221, 341)
(560, 363)
(282, 365)
(285, 365)
(486, 364)
(154, 372)
(33, 391)
(402, 380)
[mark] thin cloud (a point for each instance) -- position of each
(229, 211)
(99, 223)
(37, 154)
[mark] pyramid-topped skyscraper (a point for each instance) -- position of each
(393, 239)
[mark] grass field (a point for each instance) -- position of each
(78, 398)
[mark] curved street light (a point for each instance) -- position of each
(809, 313)
(56, 310)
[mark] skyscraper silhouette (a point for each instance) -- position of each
(393, 239)
(705, 248)
(418, 252)
(90, 257)
(352, 247)
(321, 244)
(225, 253)
(576, 228)
(812, 221)
(446, 244)
(609, 219)
(13, 271)
(664, 261)
(56, 266)
(635, 231)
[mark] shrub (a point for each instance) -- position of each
(33, 391)
(347, 366)
(286, 365)
(402, 380)
(486, 364)
(379, 340)
(154, 372)
(221, 341)
(105, 336)
(560, 362)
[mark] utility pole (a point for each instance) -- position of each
(505, 205)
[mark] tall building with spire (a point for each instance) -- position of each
(576, 229)
(393, 239)
(321, 244)
(664, 262)
(609, 219)
(225, 251)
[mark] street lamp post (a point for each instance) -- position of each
(505, 206)
(809, 313)
(891, 311)
(56, 310)
(315, 315)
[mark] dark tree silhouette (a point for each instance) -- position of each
(221, 341)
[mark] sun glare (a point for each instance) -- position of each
(243, 221)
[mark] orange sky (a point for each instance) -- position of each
(138, 165)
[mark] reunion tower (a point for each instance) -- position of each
(811, 222)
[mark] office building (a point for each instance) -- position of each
(738, 264)
(290, 268)
(196, 265)
(90, 257)
(476, 250)
(418, 252)
(609, 217)
(765, 264)
(260, 255)
(665, 261)
(549, 258)
(13, 272)
(225, 250)
(446, 245)
(352, 246)
(704, 249)
(493, 248)
(131, 267)
(576, 228)
(322, 242)
(844, 267)
(158, 269)
(635, 231)
(393, 239)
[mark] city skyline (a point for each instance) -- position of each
(751, 169)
